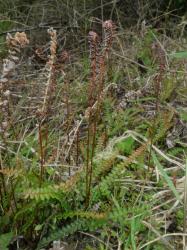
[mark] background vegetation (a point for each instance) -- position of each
(93, 124)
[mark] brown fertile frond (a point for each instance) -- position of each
(136, 153)
(14, 44)
(93, 44)
(96, 94)
(18, 41)
(53, 46)
(90, 111)
(109, 29)
(60, 61)
(9, 172)
(50, 66)
(9, 64)
(160, 57)
(44, 112)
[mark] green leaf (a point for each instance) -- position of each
(165, 176)
(126, 146)
(183, 115)
(179, 55)
(133, 230)
(5, 240)
(50, 171)
(38, 227)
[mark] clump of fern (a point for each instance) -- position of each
(84, 165)
(15, 45)
(96, 94)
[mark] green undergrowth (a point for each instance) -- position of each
(138, 159)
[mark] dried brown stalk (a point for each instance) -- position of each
(43, 114)
(161, 59)
(50, 66)
(95, 94)
(15, 44)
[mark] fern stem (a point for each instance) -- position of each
(91, 163)
(40, 137)
(13, 194)
(77, 148)
(87, 160)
